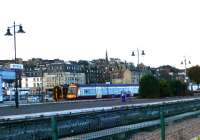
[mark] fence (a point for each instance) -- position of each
(181, 127)
(129, 122)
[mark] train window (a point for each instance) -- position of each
(72, 90)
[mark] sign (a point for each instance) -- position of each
(107, 83)
(16, 66)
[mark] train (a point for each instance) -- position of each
(60, 92)
(94, 91)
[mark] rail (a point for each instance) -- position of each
(74, 123)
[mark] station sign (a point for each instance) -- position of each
(16, 66)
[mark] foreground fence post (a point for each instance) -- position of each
(162, 123)
(54, 128)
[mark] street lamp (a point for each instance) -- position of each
(42, 69)
(8, 33)
(185, 62)
(138, 55)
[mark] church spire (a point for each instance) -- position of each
(106, 56)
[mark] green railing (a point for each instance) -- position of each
(97, 123)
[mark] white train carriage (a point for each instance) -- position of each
(101, 90)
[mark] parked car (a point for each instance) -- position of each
(33, 99)
(6, 98)
(48, 98)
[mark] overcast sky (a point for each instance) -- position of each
(83, 29)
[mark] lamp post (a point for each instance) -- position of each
(185, 62)
(138, 61)
(8, 33)
(42, 69)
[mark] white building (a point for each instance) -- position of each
(34, 83)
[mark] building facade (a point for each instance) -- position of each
(60, 78)
(34, 83)
(122, 77)
(63, 73)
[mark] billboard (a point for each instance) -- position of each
(16, 66)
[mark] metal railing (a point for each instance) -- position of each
(100, 124)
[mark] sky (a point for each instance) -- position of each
(167, 30)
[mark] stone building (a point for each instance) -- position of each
(63, 73)
(122, 77)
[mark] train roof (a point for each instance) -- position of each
(105, 85)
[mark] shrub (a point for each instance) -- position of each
(165, 88)
(178, 88)
(149, 87)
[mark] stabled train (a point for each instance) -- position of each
(74, 91)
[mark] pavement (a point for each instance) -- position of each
(8, 108)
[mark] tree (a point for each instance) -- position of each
(178, 88)
(194, 74)
(149, 87)
(165, 88)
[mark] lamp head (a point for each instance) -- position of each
(21, 29)
(133, 54)
(143, 52)
(8, 33)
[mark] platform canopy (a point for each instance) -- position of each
(7, 74)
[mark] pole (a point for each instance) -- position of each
(16, 78)
(185, 70)
(138, 64)
(138, 56)
(162, 123)
(89, 78)
(54, 128)
(42, 86)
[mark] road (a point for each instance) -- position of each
(69, 105)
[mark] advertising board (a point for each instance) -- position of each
(16, 66)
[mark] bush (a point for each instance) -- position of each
(149, 87)
(178, 88)
(165, 88)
